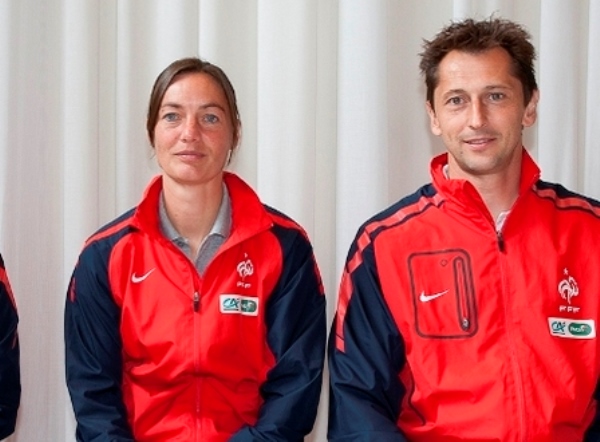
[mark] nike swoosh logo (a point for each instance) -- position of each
(137, 279)
(427, 298)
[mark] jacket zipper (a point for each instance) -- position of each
(196, 352)
(196, 344)
(514, 360)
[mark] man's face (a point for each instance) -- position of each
(479, 112)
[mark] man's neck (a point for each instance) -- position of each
(499, 191)
(498, 194)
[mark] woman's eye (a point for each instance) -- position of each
(211, 118)
(170, 117)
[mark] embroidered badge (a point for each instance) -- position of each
(568, 289)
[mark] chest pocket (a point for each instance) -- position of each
(443, 294)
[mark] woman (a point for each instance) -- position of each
(199, 315)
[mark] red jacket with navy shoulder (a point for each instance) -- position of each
(10, 373)
(156, 352)
(449, 331)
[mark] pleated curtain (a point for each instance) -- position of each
(334, 128)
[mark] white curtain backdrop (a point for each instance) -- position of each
(334, 128)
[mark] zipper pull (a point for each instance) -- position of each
(501, 244)
(196, 301)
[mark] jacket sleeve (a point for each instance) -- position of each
(296, 333)
(93, 352)
(593, 432)
(10, 378)
(366, 355)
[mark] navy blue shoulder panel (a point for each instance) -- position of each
(565, 199)
(427, 191)
(117, 221)
(274, 211)
(376, 224)
(103, 240)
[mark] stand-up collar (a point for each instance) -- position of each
(248, 215)
(530, 173)
(463, 193)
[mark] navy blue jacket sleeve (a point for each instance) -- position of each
(93, 352)
(593, 432)
(366, 355)
(296, 333)
(10, 378)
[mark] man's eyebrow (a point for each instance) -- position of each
(498, 86)
(486, 88)
(454, 91)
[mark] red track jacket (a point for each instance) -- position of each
(449, 331)
(155, 352)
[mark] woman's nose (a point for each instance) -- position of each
(191, 130)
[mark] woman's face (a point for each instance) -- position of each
(193, 134)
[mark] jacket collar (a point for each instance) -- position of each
(464, 193)
(248, 215)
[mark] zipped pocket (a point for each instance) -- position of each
(443, 294)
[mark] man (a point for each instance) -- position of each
(10, 385)
(468, 310)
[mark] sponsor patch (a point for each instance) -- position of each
(572, 328)
(237, 304)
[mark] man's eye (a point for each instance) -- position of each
(454, 100)
(495, 96)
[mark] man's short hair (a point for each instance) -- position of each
(478, 36)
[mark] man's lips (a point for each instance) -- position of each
(479, 141)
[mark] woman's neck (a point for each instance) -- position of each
(192, 209)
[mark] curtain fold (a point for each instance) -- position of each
(334, 128)
(590, 97)
(362, 117)
(562, 68)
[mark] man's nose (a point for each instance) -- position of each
(478, 114)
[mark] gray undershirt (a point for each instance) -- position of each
(211, 243)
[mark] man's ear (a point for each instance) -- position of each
(433, 121)
(530, 114)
